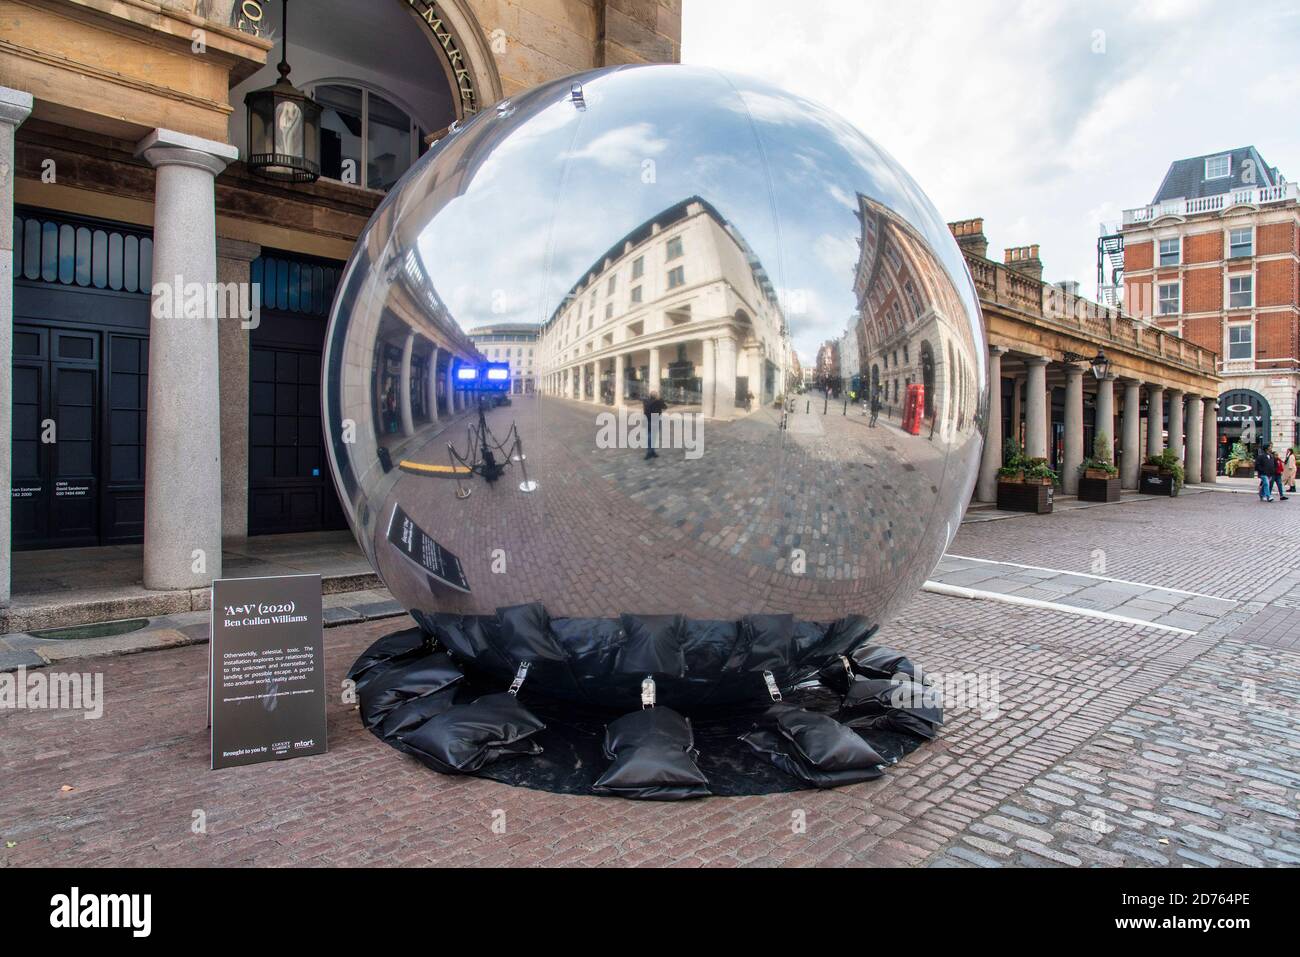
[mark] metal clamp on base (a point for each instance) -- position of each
(647, 693)
(520, 675)
(772, 688)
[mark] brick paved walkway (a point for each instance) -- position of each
(1110, 744)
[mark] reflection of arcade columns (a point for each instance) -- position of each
(451, 386)
(593, 381)
(1195, 413)
(404, 386)
(1036, 407)
(619, 373)
(431, 399)
(1072, 456)
(708, 381)
(653, 385)
(1132, 429)
(182, 523)
(1155, 419)
(724, 357)
(1176, 422)
(1209, 436)
(987, 491)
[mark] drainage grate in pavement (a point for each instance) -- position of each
(103, 629)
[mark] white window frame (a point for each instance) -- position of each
(1178, 250)
(1227, 158)
(415, 125)
(1249, 278)
(1250, 243)
(1178, 301)
(1249, 343)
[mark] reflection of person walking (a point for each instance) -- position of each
(1288, 470)
(1277, 476)
(1264, 469)
(653, 407)
(875, 405)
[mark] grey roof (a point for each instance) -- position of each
(1186, 177)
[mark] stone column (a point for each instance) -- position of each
(1155, 419)
(1104, 414)
(654, 372)
(724, 356)
(1192, 461)
(234, 258)
(991, 461)
(593, 379)
(431, 399)
(708, 379)
(451, 385)
(1176, 421)
(620, 371)
(1072, 456)
(404, 386)
(1017, 399)
(1036, 408)
(15, 106)
(1132, 429)
(182, 507)
(1209, 442)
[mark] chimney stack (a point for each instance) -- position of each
(970, 236)
(1024, 259)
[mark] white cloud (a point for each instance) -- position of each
(1004, 110)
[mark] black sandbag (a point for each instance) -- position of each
(652, 645)
(877, 661)
(592, 644)
(767, 643)
(409, 715)
(879, 696)
(466, 737)
(469, 637)
(782, 753)
(708, 645)
(837, 674)
(821, 741)
(893, 720)
(400, 646)
(653, 759)
(393, 686)
(652, 726)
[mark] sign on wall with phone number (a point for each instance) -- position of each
(266, 669)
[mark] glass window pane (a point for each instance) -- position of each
(388, 143)
(340, 131)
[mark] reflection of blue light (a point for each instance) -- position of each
(467, 372)
(497, 372)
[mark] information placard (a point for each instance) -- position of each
(419, 548)
(266, 669)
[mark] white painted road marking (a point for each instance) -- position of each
(1100, 578)
(959, 591)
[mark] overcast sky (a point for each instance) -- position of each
(1044, 117)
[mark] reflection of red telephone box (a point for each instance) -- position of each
(914, 408)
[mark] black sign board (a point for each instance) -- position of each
(266, 669)
(414, 544)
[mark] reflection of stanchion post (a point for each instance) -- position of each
(826, 401)
(807, 406)
(526, 485)
(845, 410)
(461, 490)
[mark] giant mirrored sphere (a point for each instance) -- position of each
(669, 234)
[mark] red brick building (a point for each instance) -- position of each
(1215, 257)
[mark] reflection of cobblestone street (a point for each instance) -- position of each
(1110, 744)
(717, 528)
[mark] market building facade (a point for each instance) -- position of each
(1215, 257)
(131, 221)
(514, 343)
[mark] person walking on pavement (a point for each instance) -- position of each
(1264, 469)
(1288, 470)
(1277, 476)
(653, 407)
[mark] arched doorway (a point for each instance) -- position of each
(1244, 416)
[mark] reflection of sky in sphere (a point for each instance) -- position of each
(563, 184)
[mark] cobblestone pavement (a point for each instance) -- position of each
(1104, 743)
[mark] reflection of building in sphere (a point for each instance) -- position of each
(910, 324)
(681, 306)
(514, 343)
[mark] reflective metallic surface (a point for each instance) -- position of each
(677, 230)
